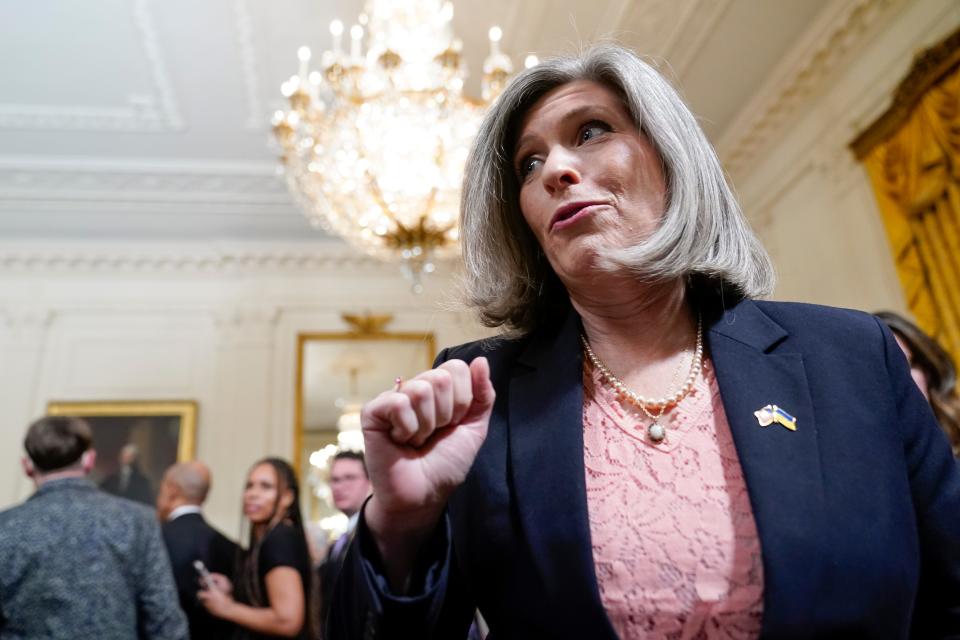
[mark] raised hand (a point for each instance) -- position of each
(420, 441)
(422, 438)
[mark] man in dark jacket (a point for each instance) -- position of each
(349, 486)
(189, 538)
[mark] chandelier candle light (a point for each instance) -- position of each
(374, 143)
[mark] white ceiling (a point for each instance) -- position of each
(147, 119)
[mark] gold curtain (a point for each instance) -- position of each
(912, 155)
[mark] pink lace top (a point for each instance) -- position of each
(674, 541)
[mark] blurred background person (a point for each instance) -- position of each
(349, 486)
(189, 538)
(270, 594)
(933, 370)
(76, 562)
(128, 481)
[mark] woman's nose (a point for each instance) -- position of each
(560, 171)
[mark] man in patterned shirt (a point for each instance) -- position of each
(76, 562)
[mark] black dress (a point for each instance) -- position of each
(283, 546)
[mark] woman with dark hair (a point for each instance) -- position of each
(273, 584)
(932, 369)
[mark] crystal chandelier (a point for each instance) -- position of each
(374, 143)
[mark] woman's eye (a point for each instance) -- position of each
(593, 129)
(527, 165)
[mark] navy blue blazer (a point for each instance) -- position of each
(189, 538)
(858, 510)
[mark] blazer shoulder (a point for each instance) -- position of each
(496, 349)
(185, 524)
(821, 321)
(806, 310)
(841, 339)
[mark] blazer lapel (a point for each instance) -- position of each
(754, 368)
(546, 456)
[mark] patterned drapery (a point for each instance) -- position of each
(913, 159)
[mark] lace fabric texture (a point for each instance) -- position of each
(675, 544)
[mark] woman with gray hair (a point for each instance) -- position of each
(649, 450)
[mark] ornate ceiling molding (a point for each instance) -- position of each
(831, 41)
(257, 116)
(41, 258)
(89, 200)
(161, 79)
(141, 113)
(56, 179)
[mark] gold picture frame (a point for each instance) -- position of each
(162, 432)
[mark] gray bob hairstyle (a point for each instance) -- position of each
(703, 235)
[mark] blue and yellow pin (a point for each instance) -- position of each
(772, 413)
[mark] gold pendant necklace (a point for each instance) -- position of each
(653, 409)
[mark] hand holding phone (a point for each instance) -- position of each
(205, 578)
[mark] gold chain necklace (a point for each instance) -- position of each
(653, 409)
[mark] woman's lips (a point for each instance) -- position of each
(569, 215)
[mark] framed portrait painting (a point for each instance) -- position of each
(135, 442)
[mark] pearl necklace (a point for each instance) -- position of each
(653, 409)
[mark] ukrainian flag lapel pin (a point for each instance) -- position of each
(772, 413)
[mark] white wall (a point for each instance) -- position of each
(104, 324)
(809, 200)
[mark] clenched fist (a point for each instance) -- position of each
(420, 441)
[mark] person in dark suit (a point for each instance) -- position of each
(128, 481)
(650, 451)
(350, 486)
(76, 562)
(188, 538)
